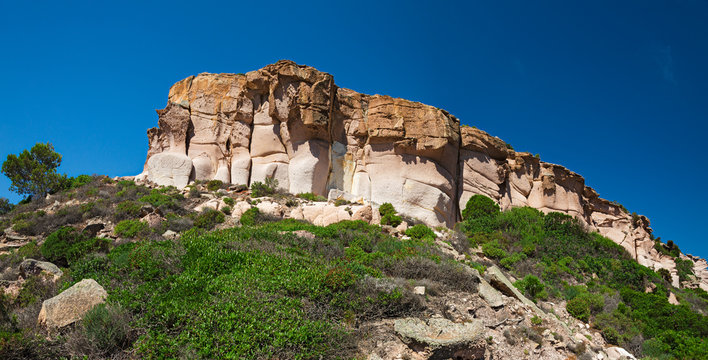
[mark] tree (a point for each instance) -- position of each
(5, 206)
(34, 172)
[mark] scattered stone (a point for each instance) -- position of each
(152, 219)
(618, 353)
(490, 294)
(672, 299)
(363, 213)
(442, 338)
(419, 290)
(170, 235)
(402, 227)
(304, 234)
(70, 305)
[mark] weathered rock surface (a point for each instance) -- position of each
(443, 338)
(70, 305)
(292, 123)
(30, 267)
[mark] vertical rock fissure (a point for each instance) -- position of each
(330, 126)
(458, 176)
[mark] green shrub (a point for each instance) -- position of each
(479, 206)
(311, 197)
(387, 209)
(665, 274)
(493, 250)
(159, 199)
(214, 185)
(388, 215)
(127, 210)
(578, 308)
(684, 268)
(228, 201)
(226, 210)
(420, 232)
(209, 218)
(79, 181)
(5, 206)
(68, 245)
(531, 286)
(509, 261)
(250, 216)
(341, 202)
(131, 228)
(104, 330)
(259, 189)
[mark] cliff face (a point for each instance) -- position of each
(292, 123)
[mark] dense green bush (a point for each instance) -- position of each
(479, 206)
(388, 215)
(67, 245)
(420, 232)
(228, 201)
(214, 185)
(579, 308)
(131, 228)
(158, 198)
(5, 207)
(250, 216)
(127, 210)
(104, 330)
(493, 250)
(684, 268)
(208, 218)
(532, 287)
(268, 187)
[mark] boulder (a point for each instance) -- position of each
(490, 294)
(498, 280)
(29, 267)
(169, 169)
(442, 338)
(93, 229)
(618, 353)
(70, 305)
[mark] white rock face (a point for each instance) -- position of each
(292, 123)
(169, 169)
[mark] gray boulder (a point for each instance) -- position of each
(442, 338)
(29, 267)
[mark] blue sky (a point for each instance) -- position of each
(616, 91)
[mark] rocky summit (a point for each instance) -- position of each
(291, 123)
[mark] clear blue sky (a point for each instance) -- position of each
(616, 91)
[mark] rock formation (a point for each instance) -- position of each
(292, 123)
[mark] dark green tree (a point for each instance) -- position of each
(34, 172)
(5, 206)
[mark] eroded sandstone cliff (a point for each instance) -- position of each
(292, 123)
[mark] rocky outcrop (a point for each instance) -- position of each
(291, 123)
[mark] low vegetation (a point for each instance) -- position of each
(600, 283)
(260, 291)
